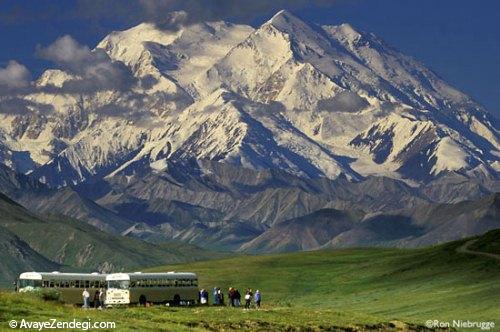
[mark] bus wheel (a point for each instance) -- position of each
(177, 300)
(142, 300)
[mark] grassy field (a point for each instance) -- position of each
(315, 291)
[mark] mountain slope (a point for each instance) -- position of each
(304, 233)
(69, 203)
(17, 257)
(76, 245)
(426, 224)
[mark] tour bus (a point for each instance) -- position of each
(173, 288)
(69, 285)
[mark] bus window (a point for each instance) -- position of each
(29, 283)
(87, 284)
(118, 284)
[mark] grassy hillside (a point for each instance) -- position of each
(159, 318)
(488, 243)
(16, 255)
(53, 241)
(411, 285)
(363, 289)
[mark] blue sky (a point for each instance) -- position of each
(458, 39)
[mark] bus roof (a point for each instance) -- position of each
(157, 275)
(62, 276)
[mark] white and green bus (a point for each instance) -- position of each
(70, 286)
(173, 288)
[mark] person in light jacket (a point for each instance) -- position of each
(86, 298)
(216, 296)
(257, 298)
(248, 298)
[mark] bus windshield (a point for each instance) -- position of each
(118, 284)
(23, 283)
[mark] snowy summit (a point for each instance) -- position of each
(313, 101)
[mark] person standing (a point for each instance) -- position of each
(248, 298)
(203, 297)
(216, 296)
(230, 295)
(257, 298)
(86, 298)
(220, 294)
(96, 300)
(101, 298)
(237, 298)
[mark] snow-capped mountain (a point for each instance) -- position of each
(312, 101)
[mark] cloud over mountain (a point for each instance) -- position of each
(92, 70)
(14, 78)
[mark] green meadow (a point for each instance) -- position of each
(360, 289)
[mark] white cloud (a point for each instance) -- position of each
(14, 76)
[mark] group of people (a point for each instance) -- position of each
(233, 295)
(98, 298)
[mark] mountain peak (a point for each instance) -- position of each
(348, 30)
(284, 18)
(283, 13)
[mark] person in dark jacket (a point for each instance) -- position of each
(96, 299)
(237, 298)
(102, 296)
(220, 295)
(231, 295)
(203, 297)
